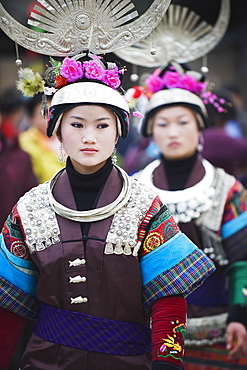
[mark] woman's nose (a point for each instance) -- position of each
(173, 131)
(88, 137)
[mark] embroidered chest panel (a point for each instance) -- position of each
(38, 219)
(42, 230)
(124, 228)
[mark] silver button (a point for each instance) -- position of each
(77, 262)
(79, 299)
(77, 279)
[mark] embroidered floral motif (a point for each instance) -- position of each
(152, 241)
(18, 248)
(163, 229)
(173, 345)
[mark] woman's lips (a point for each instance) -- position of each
(89, 150)
(174, 144)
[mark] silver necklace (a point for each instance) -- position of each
(96, 214)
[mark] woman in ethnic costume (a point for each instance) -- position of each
(209, 207)
(92, 251)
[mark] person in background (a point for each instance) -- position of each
(210, 207)
(17, 176)
(42, 150)
(12, 111)
(100, 253)
(236, 127)
(221, 149)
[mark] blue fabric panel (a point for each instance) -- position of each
(231, 227)
(165, 256)
(9, 270)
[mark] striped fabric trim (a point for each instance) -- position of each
(236, 202)
(164, 257)
(212, 358)
(17, 271)
(235, 246)
(17, 301)
(231, 227)
(181, 280)
(155, 207)
(161, 228)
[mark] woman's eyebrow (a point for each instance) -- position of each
(83, 119)
(77, 117)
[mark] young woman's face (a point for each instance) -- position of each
(88, 134)
(175, 131)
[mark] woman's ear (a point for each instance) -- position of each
(58, 134)
(117, 137)
(59, 137)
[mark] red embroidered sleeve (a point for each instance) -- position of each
(168, 329)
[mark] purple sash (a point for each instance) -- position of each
(91, 333)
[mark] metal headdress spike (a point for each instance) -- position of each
(181, 35)
(70, 26)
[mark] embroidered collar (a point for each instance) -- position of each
(186, 204)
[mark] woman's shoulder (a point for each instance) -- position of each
(35, 194)
(146, 171)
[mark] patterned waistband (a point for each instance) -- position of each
(92, 333)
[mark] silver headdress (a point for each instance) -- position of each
(181, 36)
(72, 26)
(79, 29)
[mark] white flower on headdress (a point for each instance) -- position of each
(30, 83)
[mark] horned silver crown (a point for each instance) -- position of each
(68, 27)
(181, 35)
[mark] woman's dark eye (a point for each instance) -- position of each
(102, 125)
(183, 122)
(76, 125)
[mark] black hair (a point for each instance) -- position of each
(31, 103)
(10, 101)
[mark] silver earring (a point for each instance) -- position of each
(61, 156)
(114, 157)
(199, 146)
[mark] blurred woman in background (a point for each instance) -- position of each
(210, 207)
